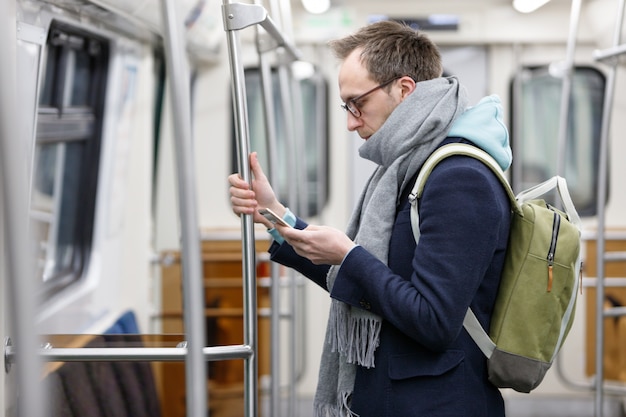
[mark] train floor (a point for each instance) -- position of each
(580, 405)
(520, 406)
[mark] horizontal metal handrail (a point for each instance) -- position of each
(134, 354)
(604, 54)
(615, 256)
(607, 282)
(615, 312)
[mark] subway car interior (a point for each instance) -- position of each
(130, 288)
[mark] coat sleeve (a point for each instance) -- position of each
(462, 211)
(284, 254)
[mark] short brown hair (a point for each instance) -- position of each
(392, 49)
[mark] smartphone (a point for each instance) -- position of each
(273, 217)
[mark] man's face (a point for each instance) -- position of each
(376, 106)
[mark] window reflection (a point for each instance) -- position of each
(536, 124)
(311, 145)
(82, 77)
(66, 154)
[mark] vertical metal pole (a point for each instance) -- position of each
(568, 73)
(247, 225)
(14, 151)
(600, 241)
(303, 208)
(322, 143)
(272, 158)
(179, 82)
(276, 11)
(275, 391)
(288, 99)
(518, 91)
(298, 195)
(299, 140)
(285, 78)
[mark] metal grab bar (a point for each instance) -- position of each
(238, 16)
(137, 354)
(601, 210)
(297, 191)
(287, 88)
(272, 157)
(567, 87)
(605, 54)
(616, 256)
(179, 81)
(613, 282)
(598, 384)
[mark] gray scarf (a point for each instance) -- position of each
(399, 148)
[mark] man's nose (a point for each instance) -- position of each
(353, 122)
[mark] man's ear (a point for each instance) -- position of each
(407, 86)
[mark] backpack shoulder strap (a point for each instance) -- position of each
(471, 323)
(441, 154)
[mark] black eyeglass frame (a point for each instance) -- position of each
(351, 105)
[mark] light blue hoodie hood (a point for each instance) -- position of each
(483, 125)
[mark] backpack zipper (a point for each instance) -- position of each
(556, 223)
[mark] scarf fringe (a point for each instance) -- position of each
(364, 339)
(337, 326)
(342, 409)
(354, 336)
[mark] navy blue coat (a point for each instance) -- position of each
(426, 363)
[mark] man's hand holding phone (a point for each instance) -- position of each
(273, 217)
(320, 244)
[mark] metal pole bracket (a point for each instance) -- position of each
(239, 16)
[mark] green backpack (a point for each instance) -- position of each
(540, 281)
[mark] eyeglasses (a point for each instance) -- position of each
(352, 105)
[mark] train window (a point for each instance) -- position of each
(313, 139)
(66, 156)
(536, 122)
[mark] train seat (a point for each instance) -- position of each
(105, 389)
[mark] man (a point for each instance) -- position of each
(395, 343)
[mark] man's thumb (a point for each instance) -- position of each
(255, 166)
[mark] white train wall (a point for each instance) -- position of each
(130, 231)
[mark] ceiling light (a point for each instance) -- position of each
(527, 6)
(316, 6)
